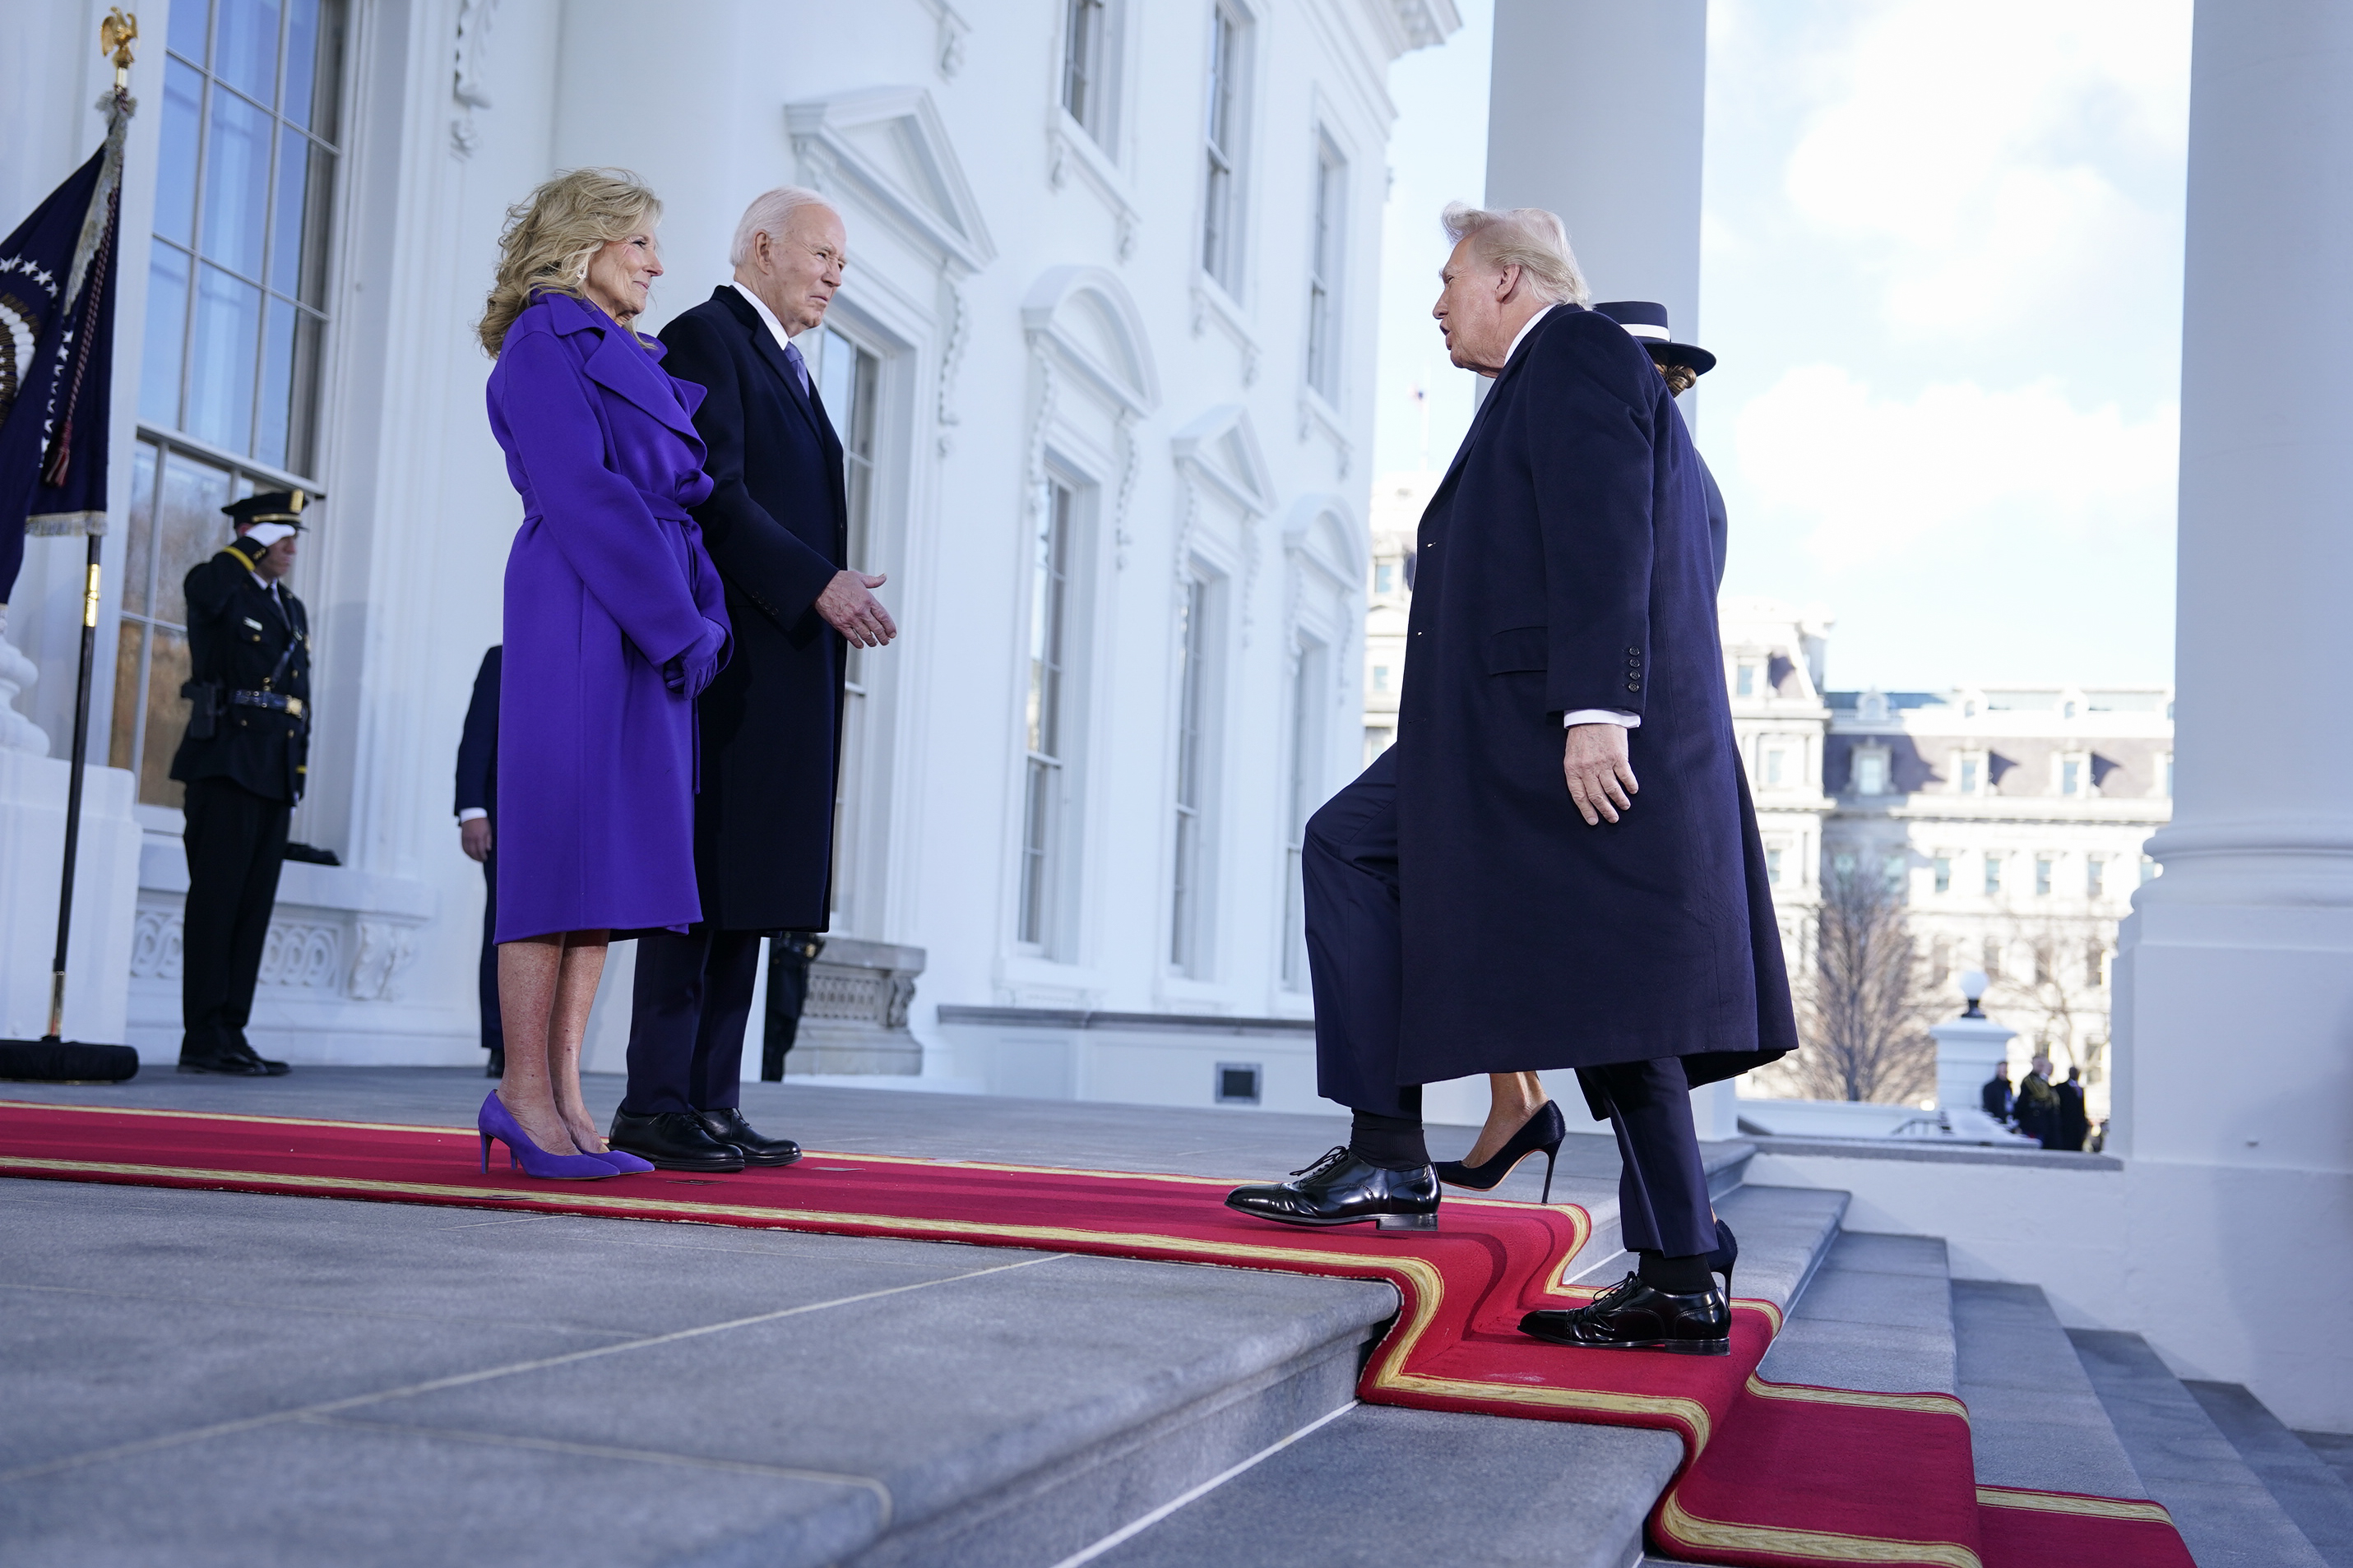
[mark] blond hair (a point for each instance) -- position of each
(1529, 238)
(550, 239)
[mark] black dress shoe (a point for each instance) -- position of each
(729, 1127)
(1341, 1189)
(227, 1063)
(1632, 1316)
(239, 1044)
(673, 1140)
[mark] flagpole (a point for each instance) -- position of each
(52, 1057)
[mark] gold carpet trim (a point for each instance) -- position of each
(1927, 1403)
(1686, 1528)
(2088, 1507)
(1690, 1412)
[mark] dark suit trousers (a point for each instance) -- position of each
(236, 842)
(788, 974)
(693, 998)
(494, 1034)
(1662, 1203)
(1356, 952)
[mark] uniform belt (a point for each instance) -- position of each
(276, 700)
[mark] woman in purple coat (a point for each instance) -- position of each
(614, 625)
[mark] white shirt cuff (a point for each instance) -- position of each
(1601, 716)
(468, 814)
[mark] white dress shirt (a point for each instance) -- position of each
(775, 328)
(1582, 715)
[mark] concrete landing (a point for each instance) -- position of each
(191, 1378)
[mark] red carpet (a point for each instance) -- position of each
(1774, 1474)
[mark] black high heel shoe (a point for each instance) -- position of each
(1540, 1133)
(1727, 1254)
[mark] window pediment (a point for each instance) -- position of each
(890, 146)
(1221, 448)
(1090, 324)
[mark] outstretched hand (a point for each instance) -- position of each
(850, 608)
(1600, 777)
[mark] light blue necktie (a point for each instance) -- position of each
(800, 367)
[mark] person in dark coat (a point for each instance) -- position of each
(2037, 1105)
(243, 759)
(777, 522)
(1995, 1096)
(1680, 365)
(2074, 1122)
(791, 954)
(1488, 897)
(477, 799)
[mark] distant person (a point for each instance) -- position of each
(477, 815)
(2037, 1106)
(790, 953)
(615, 625)
(2074, 1122)
(244, 761)
(1995, 1096)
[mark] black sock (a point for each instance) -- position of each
(1676, 1276)
(1392, 1143)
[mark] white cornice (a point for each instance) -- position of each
(823, 133)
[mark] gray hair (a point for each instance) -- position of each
(769, 213)
(1529, 238)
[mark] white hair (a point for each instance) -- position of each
(769, 213)
(1529, 238)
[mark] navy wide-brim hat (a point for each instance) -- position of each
(1647, 319)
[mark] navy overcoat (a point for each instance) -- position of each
(777, 525)
(1565, 563)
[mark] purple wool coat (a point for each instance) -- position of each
(607, 584)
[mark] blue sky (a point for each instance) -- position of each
(1941, 271)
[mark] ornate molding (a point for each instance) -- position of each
(950, 359)
(889, 145)
(1069, 150)
(1213, 306)
(304, 956)
(1131, 465)
(1315, 415)
(474, 17)
(947, 38)
(384, 951)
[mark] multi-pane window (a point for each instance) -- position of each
(2095, 965)
(1775, 761)
(236, 283)
(1744, 680)
(2070, 776)
(175, 523)
(2042, 868)
(1943, 869)
(1378, 738)
(1192, 697)
(1044, 768)
(1972, 769)
(1385, 577)
(2095, 875)
(1871, 772)
(1773, 866)
(1222, 200)
(846, 375)
(235, 323)
(1992, 875)
(1305, 791)
(1087, 66)
(1326, 255)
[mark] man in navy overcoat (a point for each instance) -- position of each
(776, 524)
(1557, 865)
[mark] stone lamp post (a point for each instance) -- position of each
(1967, 1049)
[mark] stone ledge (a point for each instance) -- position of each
(1932, 1154)
(953, 1014)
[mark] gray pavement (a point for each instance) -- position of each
(192, 1377)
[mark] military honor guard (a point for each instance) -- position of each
(478, 818)
(243, 763)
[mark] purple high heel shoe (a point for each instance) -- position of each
(624, 1163)
(496, 1122)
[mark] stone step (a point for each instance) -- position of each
(2311, 1493)
(2225, 1514)
(1378, 1485)
(2035, 1421)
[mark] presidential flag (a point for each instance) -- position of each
(56, 354)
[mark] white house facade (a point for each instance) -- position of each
(1102, 364)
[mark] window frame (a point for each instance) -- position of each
(1196, 708)
(1097, 113)
(1044, 881)
(1327, 269)
(1226, 135)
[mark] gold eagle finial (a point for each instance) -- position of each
(115, 35)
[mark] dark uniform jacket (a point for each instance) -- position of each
(249, 679)
(477, 744)
(1566, 564)
(1994, 1096)
(777, 527)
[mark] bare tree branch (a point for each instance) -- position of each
(1863, 1010)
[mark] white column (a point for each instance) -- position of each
(2235, 991)
(2233, 1095)
(1595, 112)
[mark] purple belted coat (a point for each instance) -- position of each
(607, 584)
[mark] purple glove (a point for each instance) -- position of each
(691, 672)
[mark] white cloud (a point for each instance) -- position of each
(2000, 159)
(1866, 477)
